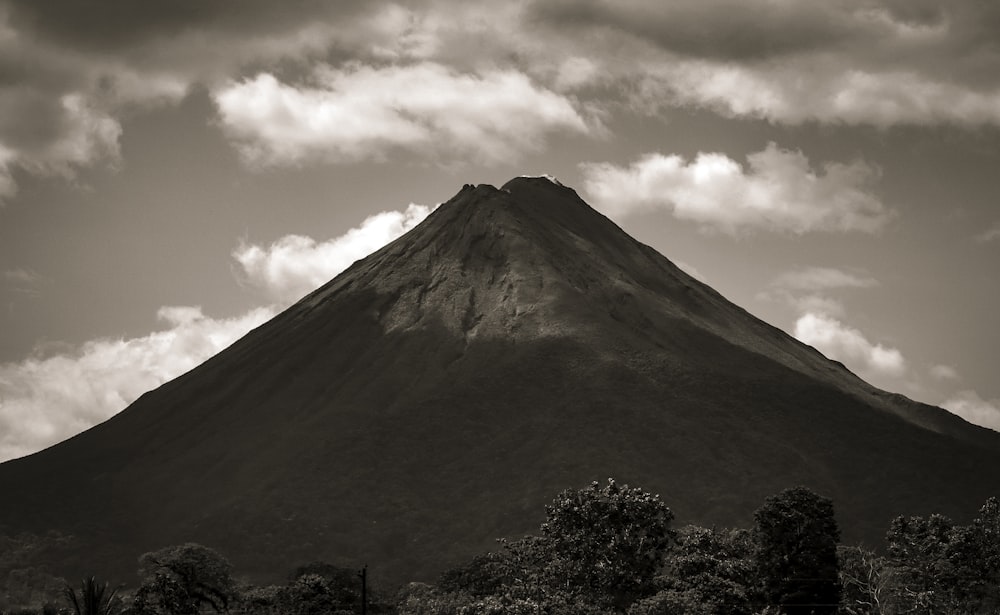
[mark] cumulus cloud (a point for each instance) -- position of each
(973, 408)
(362, 112)
(820, 321)
(295, 265)
(776, 191)
(70, 73)
(846, 344)
(46, 400)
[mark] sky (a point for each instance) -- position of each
(173, 174)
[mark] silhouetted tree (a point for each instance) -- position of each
(94, 598)
(796, 539)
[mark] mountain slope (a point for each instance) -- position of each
(438, 393)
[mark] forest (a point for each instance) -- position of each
(607, 548)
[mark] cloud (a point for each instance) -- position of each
(24, 281)
(944, 373)
(776, 191)
(295, 265)
(75, 134)
(68, 73)
(46, 400)
(820, 320)
(822, 278)
(990, 234)
(846, 344)
(21, 275)
(870, 62)
(973, 408)
(363, 112)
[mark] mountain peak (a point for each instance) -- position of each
(544, 176)
(435, 394)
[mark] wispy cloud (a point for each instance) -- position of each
(367, 113)
(776, 191)
(295, 265)
(990, 234)
(944, 373)
(822, 278)
(21, 275)
(25, 281)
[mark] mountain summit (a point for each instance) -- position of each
(438, 393)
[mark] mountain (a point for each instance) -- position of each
(438, 393)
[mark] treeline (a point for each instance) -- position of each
(614, 549)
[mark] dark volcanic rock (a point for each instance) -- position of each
(440, 392)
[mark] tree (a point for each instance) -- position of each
(796, 539)
(974, 555)
(708, 572)
(918, 551)
(868, 581)
(943, 567)
(94, 598)
(607, 543)
(182, 579)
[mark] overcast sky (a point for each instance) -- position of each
(172, 173)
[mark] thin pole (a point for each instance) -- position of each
(364, 589)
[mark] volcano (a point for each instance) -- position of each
(438, 393)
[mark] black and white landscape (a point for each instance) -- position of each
(293, 288)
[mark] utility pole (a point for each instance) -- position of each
(363, 573)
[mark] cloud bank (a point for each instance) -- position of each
(873, 62)
(776, 191)
(73, 73)
(46, 400)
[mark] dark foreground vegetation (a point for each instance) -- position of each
(603, 549)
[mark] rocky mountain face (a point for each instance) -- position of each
(437, 394)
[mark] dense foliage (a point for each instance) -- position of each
(611, 549)
(796, 536)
